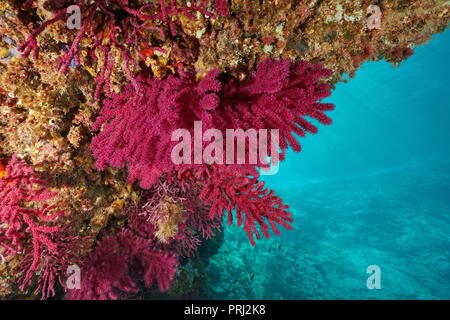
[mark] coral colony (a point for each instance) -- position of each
(138, 125)
(114, 179)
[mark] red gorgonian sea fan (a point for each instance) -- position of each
(29, 227)
(237, 192)
(120, 261)
(124, 26)
(137, 126)
(135, 253)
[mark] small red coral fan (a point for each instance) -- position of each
(116, 25)
(237, 191)
(120, 261)
(29, 227)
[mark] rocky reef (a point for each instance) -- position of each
(91, 91)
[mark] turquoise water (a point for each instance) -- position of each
(371, 189)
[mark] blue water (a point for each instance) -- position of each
(371, 189)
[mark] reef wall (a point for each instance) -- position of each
(87, 113)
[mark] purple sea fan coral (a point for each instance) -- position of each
(29, 227)
(279, 95)
(137, 126)
(116, 25)
(104, 273)
(119, 261)
(237, 192)
(154, 265)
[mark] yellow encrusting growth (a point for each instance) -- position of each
(2, 171)
(170, 216)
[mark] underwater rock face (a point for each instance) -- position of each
(63, 96)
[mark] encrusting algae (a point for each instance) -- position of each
(170, 215)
